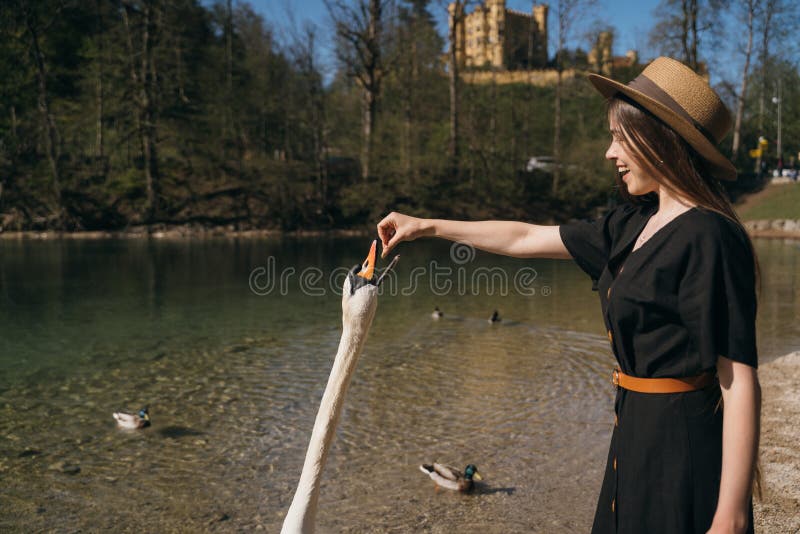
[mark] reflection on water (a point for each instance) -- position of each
(233, 382)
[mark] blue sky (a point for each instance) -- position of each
(632, 19)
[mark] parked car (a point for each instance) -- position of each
(547, 164)
(541, 163)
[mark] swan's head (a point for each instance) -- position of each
(360, 291)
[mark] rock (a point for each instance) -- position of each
(28, 453)
(790, 226)
(219, 518)
(66, 468)
(777, 224)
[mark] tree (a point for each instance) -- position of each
(99, 61)
(304, 52)
(419, 46)
(749, 12)
(193, 112)
(144, 80)
(681, 26)
(360, 29)
(754, 126)
(35, 24)
(455, 38)
(567, 13)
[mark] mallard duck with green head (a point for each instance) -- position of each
(133, 420)
(451, 478)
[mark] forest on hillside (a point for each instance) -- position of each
(115, 113)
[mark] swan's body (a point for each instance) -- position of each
(451, 478)
(359, 301)
(437, 313)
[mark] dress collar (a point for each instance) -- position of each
(624, 243)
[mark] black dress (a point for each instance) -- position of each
(671, 307)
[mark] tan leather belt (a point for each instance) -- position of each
(661, 385)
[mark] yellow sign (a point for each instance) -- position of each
(755, 153)
(762, 142)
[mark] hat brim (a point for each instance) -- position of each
(719, 165)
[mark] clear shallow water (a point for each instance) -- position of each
(233, 380)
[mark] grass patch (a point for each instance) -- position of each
(774, 202)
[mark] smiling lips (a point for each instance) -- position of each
(623, 170)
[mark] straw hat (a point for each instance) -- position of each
(685, 102)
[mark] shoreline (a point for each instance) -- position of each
(779, 508)
(175, 232)
(773, 234)
(773, 228)
(767, 229)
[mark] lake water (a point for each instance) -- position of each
(233, 368)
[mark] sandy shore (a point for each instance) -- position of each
(779, 511)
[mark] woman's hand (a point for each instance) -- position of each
(396, 228)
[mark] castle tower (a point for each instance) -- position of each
(540, 42)
(600, 58)
(497, 27)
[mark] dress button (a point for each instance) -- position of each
(610, 337)
(615, 464)
(616, 420)
(608, 293)
(613, 502)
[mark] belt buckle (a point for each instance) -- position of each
(615, 378)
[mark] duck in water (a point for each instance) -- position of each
(133, 420)
(451, 478)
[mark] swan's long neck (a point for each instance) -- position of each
(301, 517)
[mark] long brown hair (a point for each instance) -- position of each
(676, 166)
(670, 161)
(667, 158)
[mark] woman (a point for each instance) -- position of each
(676, 274)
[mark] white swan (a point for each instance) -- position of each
(359, 301)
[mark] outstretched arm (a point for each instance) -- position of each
(509, 238)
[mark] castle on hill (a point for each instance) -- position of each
(507, 46)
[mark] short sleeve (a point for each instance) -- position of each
(589, 241)
(717, 296)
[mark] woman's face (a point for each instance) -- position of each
(635, 178)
